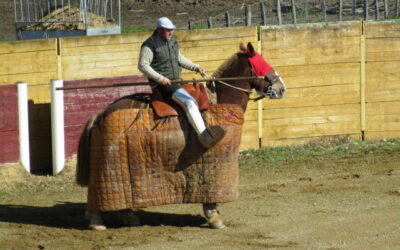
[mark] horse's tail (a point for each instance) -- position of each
(82, 168)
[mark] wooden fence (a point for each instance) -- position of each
(321, 65)
(382, 77)
(9, 124)
(280, 12)
(342, 78)
(34, 62)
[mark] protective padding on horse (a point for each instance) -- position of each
(146, 162)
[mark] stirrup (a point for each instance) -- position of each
(211, 136)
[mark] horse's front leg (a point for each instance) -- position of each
(126, 216)
(212, 215)
(95, 220)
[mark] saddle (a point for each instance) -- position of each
(164, 107)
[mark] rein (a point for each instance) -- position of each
(261, 94)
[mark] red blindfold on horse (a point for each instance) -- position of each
(259, 65)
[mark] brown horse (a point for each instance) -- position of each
(129, 157)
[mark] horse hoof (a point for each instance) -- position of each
(97, 227)
(95, 221)
(212, 215)
(217, 225)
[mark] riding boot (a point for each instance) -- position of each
(208, 136)
(211, 136)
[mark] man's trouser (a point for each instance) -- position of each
(208, 136)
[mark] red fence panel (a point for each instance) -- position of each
(9, 151)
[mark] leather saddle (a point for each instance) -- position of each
(163, 107)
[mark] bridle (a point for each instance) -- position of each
(262, 94)
(269, 92)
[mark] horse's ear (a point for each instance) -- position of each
(250, 49)
(242, 47)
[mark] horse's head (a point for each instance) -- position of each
(271, 84)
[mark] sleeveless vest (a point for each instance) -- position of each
(165, 60)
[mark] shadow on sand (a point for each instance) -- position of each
(71, 216)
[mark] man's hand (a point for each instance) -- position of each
(201, 70)
(165, 81)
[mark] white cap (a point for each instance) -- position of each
(165, 23)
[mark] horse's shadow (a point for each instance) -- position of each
(72, 216)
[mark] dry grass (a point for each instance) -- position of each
(58, 20)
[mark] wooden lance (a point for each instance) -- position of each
(172, 81)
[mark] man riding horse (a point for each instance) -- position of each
(161, 61)
(129, 156)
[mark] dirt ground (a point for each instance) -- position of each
(350, 204)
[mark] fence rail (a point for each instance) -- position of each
(279, 12)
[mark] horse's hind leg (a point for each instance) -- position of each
(95, 220)
(128, 218)
(212, 215)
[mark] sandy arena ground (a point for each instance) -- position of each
(341, 205)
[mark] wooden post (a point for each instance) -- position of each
(340, 10)
(105, 9)
(376, 9)
(262, 14)
(209, 22)
(69, 11)
(294, 12)
(27, 11)
(386, 8)
(59, 59)
(57, 126)
(23, 126)
(325, 17)
(397, 8)
(362, 79)
(260, 119)
(34, 9)
(227, 19)
(278, 11)
(48, 8)
(353, 9)
(366, 9)
(306, 10)
(15, 12)
(248, 15)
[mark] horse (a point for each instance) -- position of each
(129, 157)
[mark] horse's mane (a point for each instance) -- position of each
(225, 65)
(228, 62)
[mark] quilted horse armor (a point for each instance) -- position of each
(138, 159)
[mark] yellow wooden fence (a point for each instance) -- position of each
(342, 79)
(382, 74)
(320, 64)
